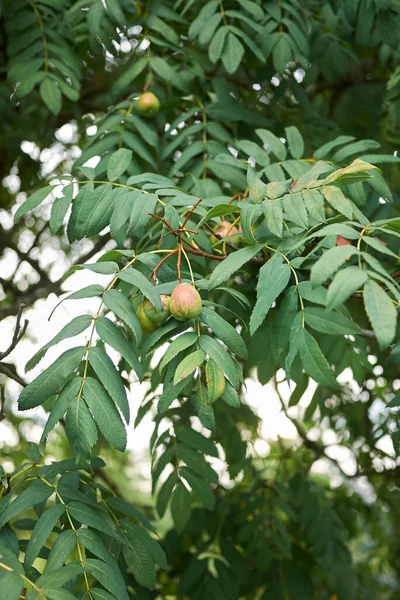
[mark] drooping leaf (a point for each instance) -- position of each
(314, 362)
(34, 200)
(273, 279)
(105, 413)
(109, 575)
(110, 378)
(381, 313)
(330, 262)
(41, 532)
(188, 365)
(180, 506)
(113, 335)
(224, 331)
(343, 285)
(80, 428)
(49, 381)
(123, 309)
(138, 280)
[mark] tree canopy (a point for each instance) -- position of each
(227, 173)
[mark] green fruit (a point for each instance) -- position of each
(185, 302)
(145, 323)
(148, 104)
(157, 317)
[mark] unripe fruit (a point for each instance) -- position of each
(148, 104)
(145, 323)
(185, 302)
(225, 230)
(155, 316)
(341, 241)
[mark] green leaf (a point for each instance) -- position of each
(379, 246)
(51, 95)
(332, 323)
(92, 542)
(195, 440)
(59, 594)
(60, 208)
(295, 141)
(152, 547)
(230, 396)
(338, 200)
(90, 291)
(109, 576)
(60, 407)
(123, 309)
(220, 356)
(87, 516)
(11, 583)
(105, 413)
(231, 264)
(295, 338)
(179, 344)
(281, 53)
(105, 370)
(49, 381)
(80, 428)
(232, 53)
(180, 506)
(102, 268)
(329, 263)
(326, 148)
(343, 285)
(217, 44)
(314, 203)
(41, 532)
(248, 217)
(9, 559)
(276, 146)
(272, 280)
(197, 463)
(314, 362)
(295, 209)
(118, 163)
(138, 280)
(221, 210)
(273, 211)
(34, 200)
(336, 229)
(189, 364)
(381, 313)
(165, 494)
(61, 549)
(114, 337)
(131, 73)
(257, 188)
(75, 327)
(58, 577)
(224, 331)
(201, 489)
(140, 562)
(127, 509)
(143, 205)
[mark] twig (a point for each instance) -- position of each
(7, 370)
(18, 333)
(2, 403)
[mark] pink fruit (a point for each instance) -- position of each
(185, 302)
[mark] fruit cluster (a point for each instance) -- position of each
(183, 304)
